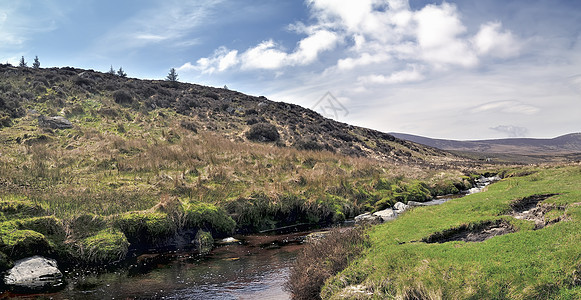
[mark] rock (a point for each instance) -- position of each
(34, 273)
(401, 207)
(415, 203)
(367, 218)
(228, 241)
(57, 122)
(385, 215)
(376, 217)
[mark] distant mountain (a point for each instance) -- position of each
(566, 144)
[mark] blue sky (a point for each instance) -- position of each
(454, 69)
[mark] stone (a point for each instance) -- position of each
(385, 215)
(228, 241)
(34, 273)
(57, 122)
(401, 207)
(367, 218)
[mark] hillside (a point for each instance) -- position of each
(95, 167)
(84, 95)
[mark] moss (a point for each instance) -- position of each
(145, 226)
(107, 245)
(23, 243)
(16, 208)
(209, 217)
(204, 242)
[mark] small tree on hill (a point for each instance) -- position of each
(22, 63)
(36, 63)
(111, 71)
(121, 73)
(172, 76)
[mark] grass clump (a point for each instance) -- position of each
(209, 217)
(106, 246)
(145, 226)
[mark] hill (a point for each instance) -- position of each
(95, 166)
(80, 95)
(566, 147)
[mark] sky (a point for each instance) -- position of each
(443, 69)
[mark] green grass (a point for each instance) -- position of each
(527, 264)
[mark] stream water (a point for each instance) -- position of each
(254, 268)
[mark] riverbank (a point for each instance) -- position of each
(481, 246)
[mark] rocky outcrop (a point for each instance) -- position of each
(34, 273)
(57, 122)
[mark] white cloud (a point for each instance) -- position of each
(491, 41)
(221, 60)
(310, 47)
(507, 107)
(439, 36)
(264, 56)
(169, 21)
(412, 74)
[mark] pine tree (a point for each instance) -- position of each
(36, 63)
(111, 71)
(22, 63)
(121, 73)
(172, 76)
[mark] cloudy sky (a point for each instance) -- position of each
(445, 69)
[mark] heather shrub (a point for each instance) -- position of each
(324, 258)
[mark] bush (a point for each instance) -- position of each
(263, 132)
(122, 97)
(324, 258)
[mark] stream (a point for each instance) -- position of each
(255, 267)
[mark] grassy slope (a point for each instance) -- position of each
(528, 264)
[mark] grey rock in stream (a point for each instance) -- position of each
(34, 273)
(376, 217)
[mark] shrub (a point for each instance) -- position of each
(324, 258)
(122, 97)
(263, 132)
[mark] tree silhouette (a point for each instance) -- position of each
(22, 63)
(36, 63)
(121, 73)
(111, 71)
(172, 76)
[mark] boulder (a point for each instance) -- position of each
(385, 215)
(34, 273)
(367, 218)
(400, 207)
(57, 122)
(376, 217)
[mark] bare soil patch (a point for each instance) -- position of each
(471, 232)
(531, 209)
